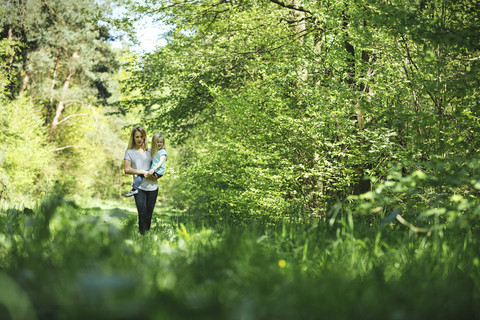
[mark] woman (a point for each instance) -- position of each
(138, 161)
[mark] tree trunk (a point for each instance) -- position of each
(61, 103)
(297, 18)
(52, 87)
(54, 79)
(10, 37)
(25, 82)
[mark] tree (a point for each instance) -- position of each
(61, 64)
(66, 58)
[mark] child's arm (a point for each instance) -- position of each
(159, 164)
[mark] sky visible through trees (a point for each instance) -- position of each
(148, 32)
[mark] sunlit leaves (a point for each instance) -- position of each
(315, 121)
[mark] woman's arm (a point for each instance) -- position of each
(127, 165)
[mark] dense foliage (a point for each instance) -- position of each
(285, 104)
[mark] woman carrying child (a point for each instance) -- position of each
(159, 156)
(137, 161)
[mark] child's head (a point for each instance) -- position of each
(158, 142)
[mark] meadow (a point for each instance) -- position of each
(69, 259)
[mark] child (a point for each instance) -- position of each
(159, 158)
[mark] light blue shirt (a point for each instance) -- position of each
(156, 160)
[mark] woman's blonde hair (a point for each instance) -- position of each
(131, 141)
(157, 137)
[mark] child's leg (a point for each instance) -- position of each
(137, 182)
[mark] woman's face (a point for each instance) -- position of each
(139, 139)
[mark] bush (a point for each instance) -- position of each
(434, 197)
(26, 161)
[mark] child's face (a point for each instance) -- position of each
(159, 144)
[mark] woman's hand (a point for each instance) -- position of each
(150, 176)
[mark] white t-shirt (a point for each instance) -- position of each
(141, 161)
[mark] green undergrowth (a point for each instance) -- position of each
(66, 260)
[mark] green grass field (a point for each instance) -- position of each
(72, 260)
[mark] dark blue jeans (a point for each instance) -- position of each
(137, 182)
(145, 202)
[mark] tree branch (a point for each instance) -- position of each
(289, 6)
(289, 41)
(469, 59)
(71, 116)
(66, 147)
(411, 226)
(69, 102)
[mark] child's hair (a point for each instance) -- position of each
(157, 137)
(131, 141)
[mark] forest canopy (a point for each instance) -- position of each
(280, 105)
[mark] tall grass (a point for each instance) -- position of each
(62, 260)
